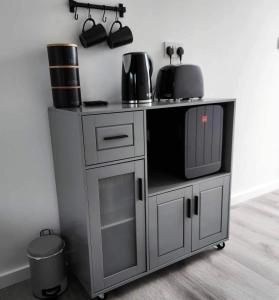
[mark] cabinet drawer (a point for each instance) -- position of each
(109, 137)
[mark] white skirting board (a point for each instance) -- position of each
(14, 276)
(20, 274)
(254, 192)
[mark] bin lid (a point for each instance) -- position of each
(45, 246)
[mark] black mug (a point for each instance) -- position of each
(95, 35)
(121, 37)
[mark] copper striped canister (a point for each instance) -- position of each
(64, 75)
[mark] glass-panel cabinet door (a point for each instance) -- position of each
(118, 222)
(116, 202)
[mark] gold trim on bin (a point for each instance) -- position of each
(64, 67)
(62, 45)
(65, 87)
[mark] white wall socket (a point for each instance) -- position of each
(175, 45)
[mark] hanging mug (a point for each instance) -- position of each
(95, 35)
(120, 37)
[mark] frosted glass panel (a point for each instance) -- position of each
(117, 205)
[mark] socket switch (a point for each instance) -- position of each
(175, 45)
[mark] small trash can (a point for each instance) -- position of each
(47, 266)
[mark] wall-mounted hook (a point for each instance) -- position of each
(74, 5)
(89, 11)
(104, 18)
(76, 14)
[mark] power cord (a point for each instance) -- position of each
(180, 53)
(170, 52)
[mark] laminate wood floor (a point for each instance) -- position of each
(248, 267)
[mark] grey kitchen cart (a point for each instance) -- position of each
(122, 218)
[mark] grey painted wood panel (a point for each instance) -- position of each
(67, 147)
(210, 224)
(162, 182)
(211, 205)
(169, 226)
(106, 136)
(98, 127)
(228, 136)
(93, 178)
(120, 107)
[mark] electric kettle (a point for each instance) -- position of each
(137, 70)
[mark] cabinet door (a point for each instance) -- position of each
(117, 215)
(169, 226)
(211, 212)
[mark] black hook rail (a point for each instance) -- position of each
(120, 8)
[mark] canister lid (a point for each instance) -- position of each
(45, 246)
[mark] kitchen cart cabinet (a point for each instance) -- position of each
(121, 217)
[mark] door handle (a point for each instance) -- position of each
(141, 189)
(196, 205)
(116, 137)
(189, 208)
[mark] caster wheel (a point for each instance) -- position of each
(221, 246)
(102, 296)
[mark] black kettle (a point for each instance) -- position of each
(137, 69)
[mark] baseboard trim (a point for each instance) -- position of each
(254, 192)
(14, 276)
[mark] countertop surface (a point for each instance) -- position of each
(120, 107)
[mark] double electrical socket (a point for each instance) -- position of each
(175, 45)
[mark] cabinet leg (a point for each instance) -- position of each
(101, 296)
(221, 246)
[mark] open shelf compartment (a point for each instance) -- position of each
(165, 169)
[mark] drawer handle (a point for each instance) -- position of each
(115, 137)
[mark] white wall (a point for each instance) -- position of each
(234, 41)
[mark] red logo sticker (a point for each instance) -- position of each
(204, 118)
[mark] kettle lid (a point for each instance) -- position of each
(135, 53)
